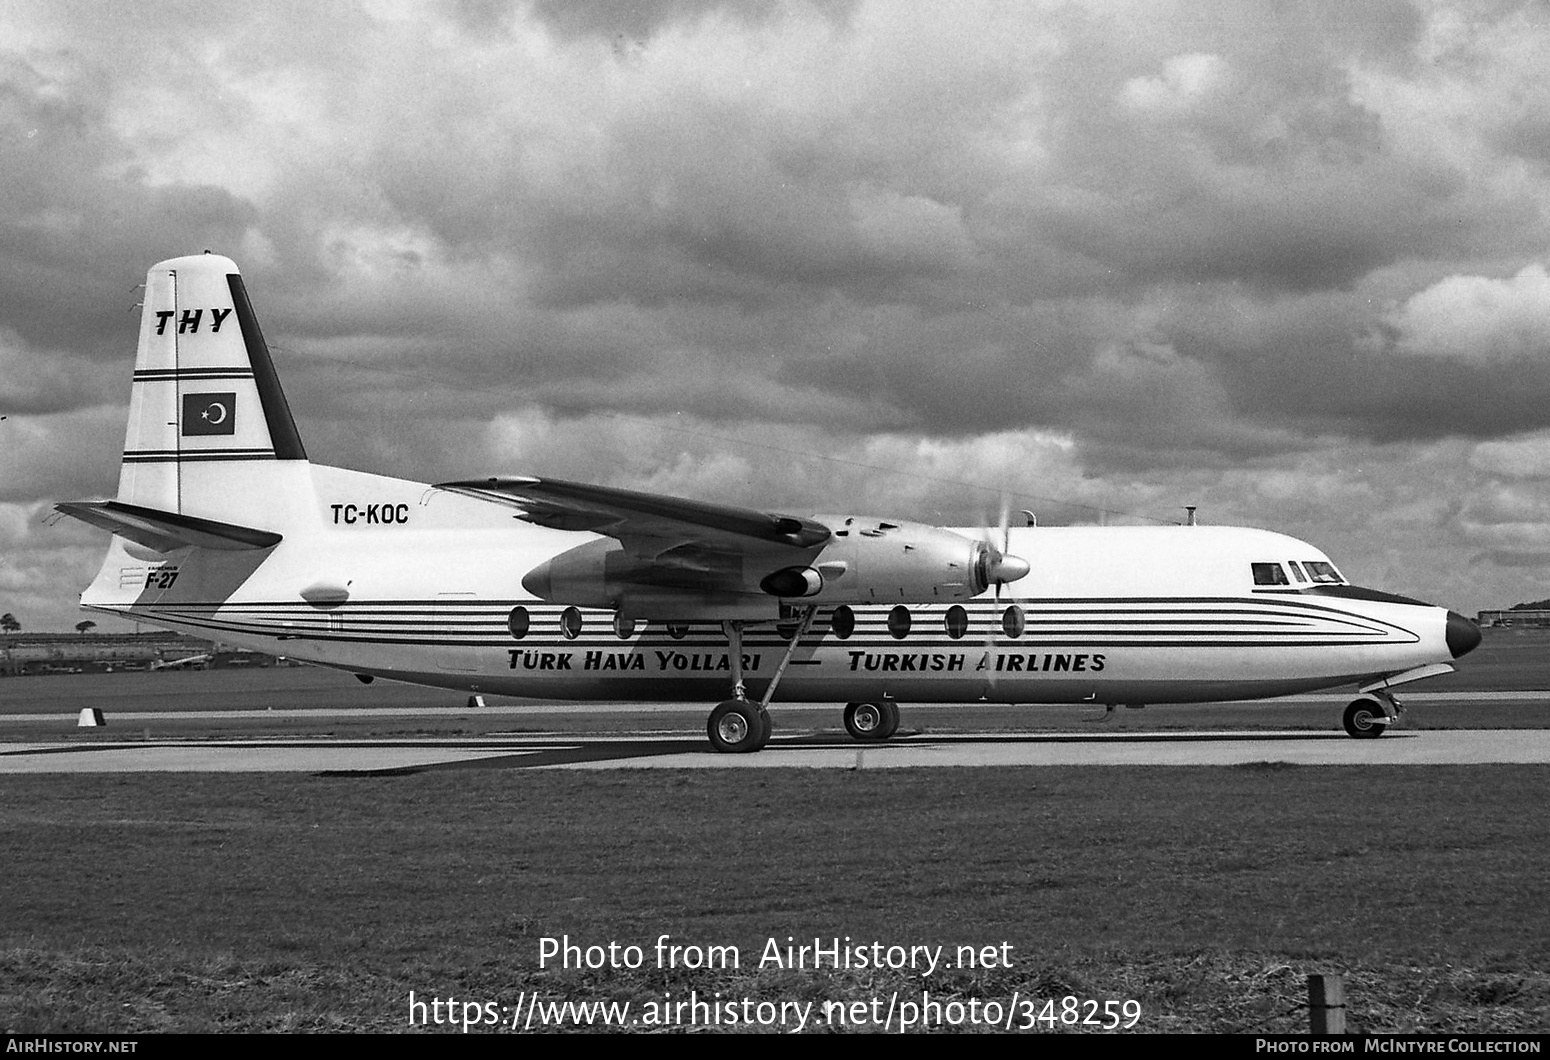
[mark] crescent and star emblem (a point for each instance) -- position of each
(212, 413)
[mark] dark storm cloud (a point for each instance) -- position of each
(76, 219)
(635, 22)
(1246, 156)
(1135, 253)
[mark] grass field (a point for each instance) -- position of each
(200, 902)
(267, 902)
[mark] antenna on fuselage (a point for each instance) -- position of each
(1190, 508)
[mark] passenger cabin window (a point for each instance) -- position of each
(956, 621)
(843, 622)
(570, 623)
(1012, 622)
(1323, 573)
(899, 622)
(1269, 574)
(518, 622)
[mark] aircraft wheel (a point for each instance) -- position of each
(1365, 719)
(890, 719)
(738, 727)
(871, 721)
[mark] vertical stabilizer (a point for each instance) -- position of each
(206, 409)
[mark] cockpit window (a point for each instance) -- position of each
(1269, 574)
(1323, 573)
(1296, 571)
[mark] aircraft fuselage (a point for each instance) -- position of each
(398, 580)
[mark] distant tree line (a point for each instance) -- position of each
(1536, 605)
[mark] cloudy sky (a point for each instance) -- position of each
(1283, 261)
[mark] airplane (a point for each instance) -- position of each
(187, 662)
(529, 586)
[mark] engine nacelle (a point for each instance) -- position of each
(864, 561)
(600, 573)
(870, 560)
(579, 576)
(793, 581)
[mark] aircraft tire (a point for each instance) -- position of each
(870, 722)
(890, 719)
(1365, 719)
(738, 727)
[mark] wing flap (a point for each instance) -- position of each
(167, 531)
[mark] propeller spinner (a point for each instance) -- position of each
(996, 567)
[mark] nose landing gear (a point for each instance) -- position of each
(1367, 718)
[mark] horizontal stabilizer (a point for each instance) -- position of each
(166, 531)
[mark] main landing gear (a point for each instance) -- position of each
(738, 725)
(741, 726)
(872, 722)
(1368, 717)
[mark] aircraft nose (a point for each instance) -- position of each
(1463, 636)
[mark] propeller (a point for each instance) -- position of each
(994, 567)
(997, 566)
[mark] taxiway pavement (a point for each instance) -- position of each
(322, 755)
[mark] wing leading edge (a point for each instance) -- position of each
(648, 525)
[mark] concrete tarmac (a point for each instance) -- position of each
(323, 755)
(140, 716)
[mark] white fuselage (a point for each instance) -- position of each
(395, 579)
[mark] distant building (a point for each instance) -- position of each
(1513, 618)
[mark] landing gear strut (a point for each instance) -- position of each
(738, 726)
(1368, 717)
(872, 722)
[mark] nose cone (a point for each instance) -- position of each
(1463, 636)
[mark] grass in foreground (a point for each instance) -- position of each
(204, 902)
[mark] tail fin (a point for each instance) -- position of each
(205, 391)
(212, 458)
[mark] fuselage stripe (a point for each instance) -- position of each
(489, 631)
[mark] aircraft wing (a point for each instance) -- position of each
(648, 525)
